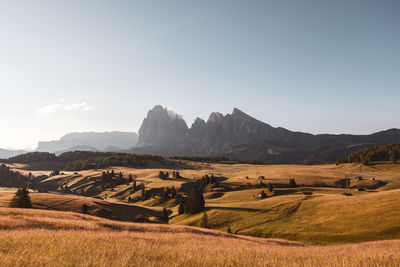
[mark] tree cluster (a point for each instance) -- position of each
(163, 175)
(194, 203)
(169, 192)
(85, 160)
(9, 178)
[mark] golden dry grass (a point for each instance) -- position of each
(51, 238)
(97, 207)
(316, 219)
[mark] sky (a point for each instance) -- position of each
(312, 66)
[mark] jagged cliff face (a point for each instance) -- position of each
(166, 134)
(241, 136)
(163, 131)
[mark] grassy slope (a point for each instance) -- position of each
(321, 218)
(327, 217)
(51, 238)
(97, 207)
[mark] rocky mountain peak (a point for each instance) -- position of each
(160, 127)
(215, 116)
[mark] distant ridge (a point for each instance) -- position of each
(240, 136)
(8, 153)
(92, 141)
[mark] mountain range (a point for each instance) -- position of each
(236, 136)
(240, 136)
(7, 153)
(90, 141)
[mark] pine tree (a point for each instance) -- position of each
(143, 193)
(212, 180)
(270, 188)
(364, 161)
(165, 215)
(229, 231)
(263, 195)
(173, 191)
(134, 186)
(165, 192)
(392, 156)
(293, 183)
(84, 208)
(347, 183)
(181, 208)
(21, 199)
(204, 221)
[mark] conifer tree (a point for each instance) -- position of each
(229, 231)
(263, 195)
(143, 193)
(21, 199)
(165, 192)
(165, 215)
(84, 208)
(173, 191)
(204, 220)
(270, 188)
(134, 186)
(181, 208)
(392, 156)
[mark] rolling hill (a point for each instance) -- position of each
(53, 238)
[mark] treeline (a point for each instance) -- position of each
(33, 157)
(98, 160)
(389, 152)
(9, 178)
(85, 160)
(217, 159)
(203, 159)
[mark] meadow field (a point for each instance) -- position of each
(54, 238)
(318, 222)
(327, 214)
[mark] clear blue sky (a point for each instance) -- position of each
(313, 66)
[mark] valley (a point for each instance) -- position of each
(319, 209)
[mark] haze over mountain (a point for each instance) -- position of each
(7, 153)
(240, 136)
(91, 141)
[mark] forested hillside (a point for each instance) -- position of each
(389, 152)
